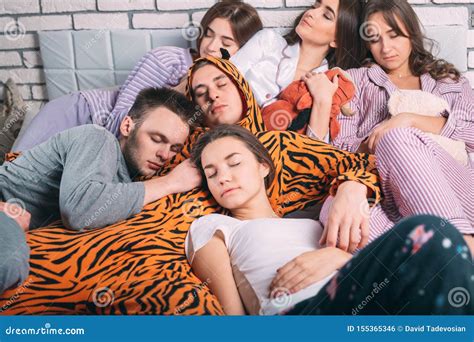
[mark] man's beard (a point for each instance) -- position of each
(130, 153)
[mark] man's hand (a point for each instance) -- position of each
(184, 177)
(347, 219)
(309, 268)
(17, 213)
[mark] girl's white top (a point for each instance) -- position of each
(257, 248)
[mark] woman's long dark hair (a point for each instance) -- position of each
(421, 59)
(350, 53)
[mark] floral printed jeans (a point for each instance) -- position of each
(420, 267)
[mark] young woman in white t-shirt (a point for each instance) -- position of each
(258, 263)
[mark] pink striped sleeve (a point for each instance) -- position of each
(348, 139)
(161, 67)
(460, 124)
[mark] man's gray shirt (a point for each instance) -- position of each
(78, 175)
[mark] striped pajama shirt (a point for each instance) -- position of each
(160, 67)
(417, 175)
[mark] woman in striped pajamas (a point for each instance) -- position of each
(227, 24)
(418, 176)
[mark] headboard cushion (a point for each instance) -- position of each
(80, 60)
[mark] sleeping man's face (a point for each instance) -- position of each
(147, 146)
(217, 95)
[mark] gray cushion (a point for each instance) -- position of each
(80, 60)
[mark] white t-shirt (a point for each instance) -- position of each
(257, 248)
(269, 64)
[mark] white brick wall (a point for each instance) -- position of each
(101, 21)
(21, 6)
(21, 19)
(160, 20)
(10, 58)
(120, 5)
(46, 22)
(59, 6)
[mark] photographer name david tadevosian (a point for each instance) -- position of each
(434, 328)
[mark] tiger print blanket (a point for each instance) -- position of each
(138, 266)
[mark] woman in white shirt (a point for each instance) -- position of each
(322, 37)
(258, 263)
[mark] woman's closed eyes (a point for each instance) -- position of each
(328, 15)
(234, 164)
